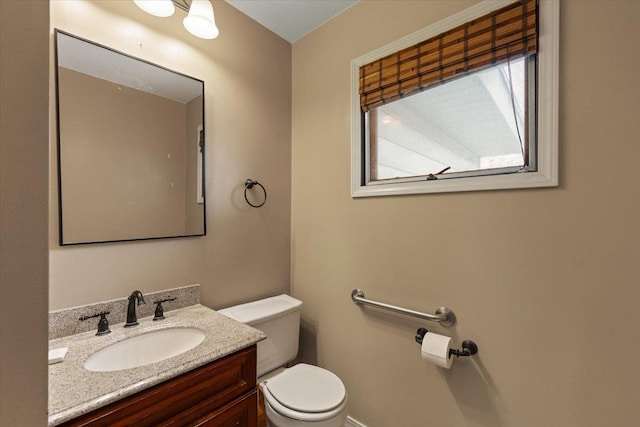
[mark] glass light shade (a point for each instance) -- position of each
(161, 8)
(200, 22)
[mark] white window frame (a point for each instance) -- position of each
(547, 113)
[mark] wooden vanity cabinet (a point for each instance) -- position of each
(219, 394)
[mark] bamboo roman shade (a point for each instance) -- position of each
(507, 33)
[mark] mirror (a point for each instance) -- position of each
(130, 147)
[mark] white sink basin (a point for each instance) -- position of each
(144, 349)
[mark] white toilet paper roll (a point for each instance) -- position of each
(435, 349)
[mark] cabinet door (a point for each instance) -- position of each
(242, 412)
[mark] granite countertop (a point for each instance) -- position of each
(74, 390)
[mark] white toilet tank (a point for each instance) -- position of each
(279, 318)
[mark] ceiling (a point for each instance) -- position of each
(291, 19)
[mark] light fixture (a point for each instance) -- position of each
(199, 21)
(161, 8)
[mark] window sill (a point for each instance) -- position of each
(479, 183)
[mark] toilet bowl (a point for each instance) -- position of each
(302, 395)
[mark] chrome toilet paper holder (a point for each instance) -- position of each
(469, 348)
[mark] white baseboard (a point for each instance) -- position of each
(351, 422)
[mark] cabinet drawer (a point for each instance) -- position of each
(242, 412)
(195, 393)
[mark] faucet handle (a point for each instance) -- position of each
(103, 323)
(159, 314)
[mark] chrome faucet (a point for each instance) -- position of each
(135, 297)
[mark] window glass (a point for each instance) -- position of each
(474, 123)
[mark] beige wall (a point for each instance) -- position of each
(24, 152)
(247, 75)
(123, 178)
(543, 280)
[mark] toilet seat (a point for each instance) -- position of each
(306, 393)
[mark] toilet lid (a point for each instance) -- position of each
(307, 388)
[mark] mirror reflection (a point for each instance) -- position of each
(130, 147)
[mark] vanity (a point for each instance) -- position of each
(211, 384)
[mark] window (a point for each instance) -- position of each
(469, 103)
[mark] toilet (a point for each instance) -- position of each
(302, 395)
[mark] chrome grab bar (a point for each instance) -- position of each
(444, 315)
